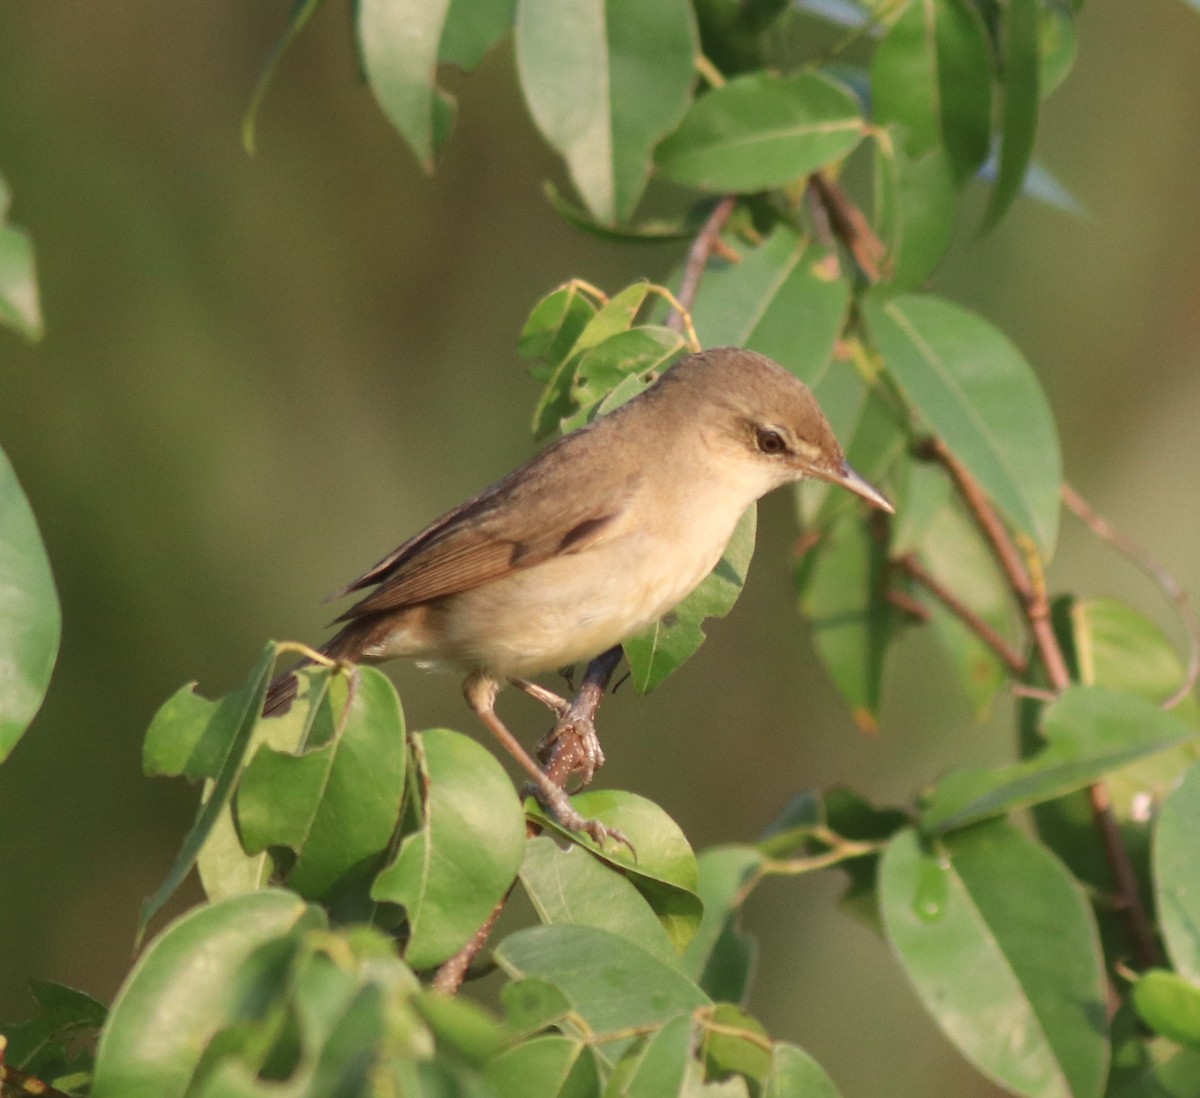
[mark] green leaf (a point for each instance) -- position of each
(20, 308)
(1020, 73)
(657, 1065)
(302, 12)
(399, 42)
(574, 887)
(843, 594)
(605, 80)
(976, 391)
(657, 651)
(734, 1042)
(1149, 1068)
(30, 619)
(1058, 42)
(553, 327)
(664, 871)
(37, 1043)
(1089, 732)
(786, 299)
(795, 1074)
(718, 956)
(451, 873)
(549, 1067)
(999, 941)
(917, 200)
(186, 987)
(931, 75)
(761, 131)
(472, 27)
(203, 739)
(1177, 875)
(335, 804)
(1169, 1005)
(612, 984)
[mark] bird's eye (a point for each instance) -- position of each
(770, 442)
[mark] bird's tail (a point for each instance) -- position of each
(346, 645)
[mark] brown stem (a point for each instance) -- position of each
(566, 757)
(913, 568)
(706, 242)
(1157, 574)
(1031, 595)
(851, 226)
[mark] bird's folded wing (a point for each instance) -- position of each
(512, 526)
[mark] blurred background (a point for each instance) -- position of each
(262, 373)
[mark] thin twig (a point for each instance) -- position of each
(912, 567)
(567, 755)
(1157, 574)
(851, 226)
(1031, 595)
(697, 259)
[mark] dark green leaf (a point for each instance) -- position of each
(471, 1031)
(1018, 126)
(186, 987)
(203, 739)
(656, 1066)
(931, 75)
(604, 84)
(20, 308)
(655, 231)
(761, 131)
(786, 299)
(664, 871)
(1089, 731)
(335, 804)
(451, 873)
(1149, 1068)
(30, 619)
(795, 1074)
(399, 42)
(1177, 874)
(36, 1043)
(574, 887)
(844, 597)
(654, 653)
(720, 957)
(472, 27)
(1000, 944)
(975, 390)
(1169, 1005)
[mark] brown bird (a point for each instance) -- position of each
(591, 540)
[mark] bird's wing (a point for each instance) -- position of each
(523, 520)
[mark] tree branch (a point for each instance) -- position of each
(1031, 595)
(566, 754)
(850, 226)
(707, 241)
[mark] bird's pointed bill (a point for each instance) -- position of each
(860, 486)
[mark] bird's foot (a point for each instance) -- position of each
(555, 801)
(587, 754)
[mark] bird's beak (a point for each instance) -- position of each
(848, 478)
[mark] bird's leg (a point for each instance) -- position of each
(480, 691)
(573, 721)
(578, 720)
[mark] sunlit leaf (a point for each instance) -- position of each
(1169, 1005)
(761, 131)
(1000, 944)
(20, 307)
(975, 390)
(605, 81)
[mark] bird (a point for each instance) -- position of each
(591, 540)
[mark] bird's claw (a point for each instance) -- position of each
(558, 805)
